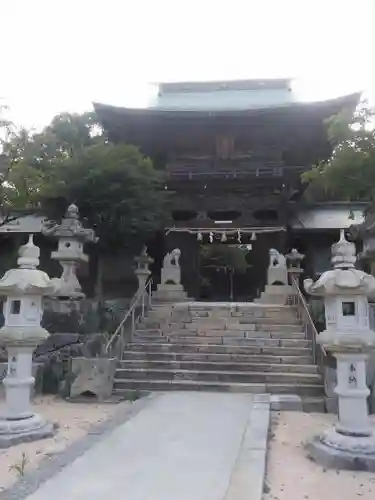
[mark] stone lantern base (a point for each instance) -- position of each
(15, 431)
(338, 451)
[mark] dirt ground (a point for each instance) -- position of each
(292, 476)
(74, 421)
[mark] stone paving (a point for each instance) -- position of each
(174, 446)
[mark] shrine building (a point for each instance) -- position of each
(233, 153)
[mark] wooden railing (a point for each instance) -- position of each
(298, 300)
(230, 168)
(124, 333)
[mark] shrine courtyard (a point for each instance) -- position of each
(185, 446)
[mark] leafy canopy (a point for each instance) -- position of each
(116, 188)
(231, 258)
(349, 174)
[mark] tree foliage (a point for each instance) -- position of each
(349, 174)
(118, 191)
(231, 258)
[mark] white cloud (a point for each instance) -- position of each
(62, 55)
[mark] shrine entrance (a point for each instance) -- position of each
(225, 264)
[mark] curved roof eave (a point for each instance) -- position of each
(342, 101)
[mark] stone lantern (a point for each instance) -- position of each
(351, 443)
(24, 289)
(71, 238)
(142, 271)
(294, 259)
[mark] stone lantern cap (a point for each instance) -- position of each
(344, 278)
(144, 258)
(26, 279)
(294, 258)
(71, 227)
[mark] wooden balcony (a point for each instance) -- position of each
(205, 168)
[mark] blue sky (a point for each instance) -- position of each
(58, 56)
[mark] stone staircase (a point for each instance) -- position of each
(244, 347)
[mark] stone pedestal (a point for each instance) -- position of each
(275, 294)
(169, 293)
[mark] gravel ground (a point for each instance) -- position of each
(75, 420)
(292, 476)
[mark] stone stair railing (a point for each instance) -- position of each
(124, 333)
(298, 300)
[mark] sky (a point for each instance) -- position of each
(62, 55)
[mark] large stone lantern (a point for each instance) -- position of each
(71, 238)
(24, 289)
(142, 271)
(351, 443)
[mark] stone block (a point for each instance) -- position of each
(93, 376)
(286, 402)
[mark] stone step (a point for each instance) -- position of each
(237, 320)
(287, 315)
(313, 404)
(219, 349)
(235, 333)
(231, 306)
(202, 357)
(191, 385)
(150, 334)
(197, 339)
(216, 326)
(217, 376)
(145, 364)
(146, 334)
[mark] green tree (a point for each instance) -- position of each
(349, 174)
(229, 258)
(118, 192)
(117, 189)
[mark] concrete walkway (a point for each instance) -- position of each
(180, 446)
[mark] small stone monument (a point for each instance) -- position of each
(142, 271)
(277, 290)
(351, 443)
(24, 289)
(71, 238)
(170, 288)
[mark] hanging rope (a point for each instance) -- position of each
(200, 232)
